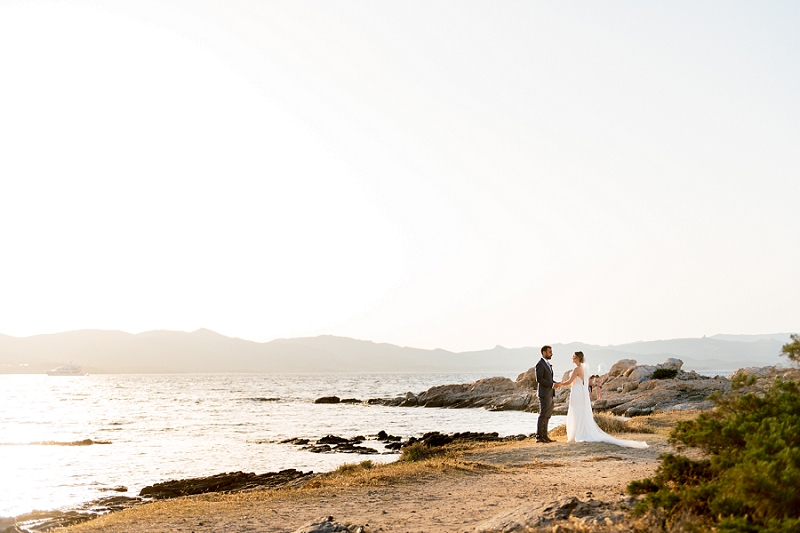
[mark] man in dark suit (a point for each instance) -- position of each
(546, 393)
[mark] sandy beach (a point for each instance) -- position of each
(456, 492)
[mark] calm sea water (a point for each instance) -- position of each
(163, 427)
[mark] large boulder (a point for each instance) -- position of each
(620, 367)
(671, 364)
(528, 379)
(639, 373)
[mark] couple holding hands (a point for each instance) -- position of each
(581, 426)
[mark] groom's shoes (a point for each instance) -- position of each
(544, 440)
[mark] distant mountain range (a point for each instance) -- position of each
(114, 352)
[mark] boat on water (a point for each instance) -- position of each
(66, 370)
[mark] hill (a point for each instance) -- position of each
(203, 350)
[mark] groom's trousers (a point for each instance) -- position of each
(546, 404)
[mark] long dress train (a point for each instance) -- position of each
(581, 426)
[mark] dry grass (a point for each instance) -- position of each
(663, 423)
(613, 424)
(367, 473)
(321, 486)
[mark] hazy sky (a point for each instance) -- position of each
(431, 174)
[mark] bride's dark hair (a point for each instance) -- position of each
(579, 355)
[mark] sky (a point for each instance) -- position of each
(451, 175)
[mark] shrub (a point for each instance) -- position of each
(749, 481)
(665, 373)
(352, 468)
(792, 349)
(415, 452)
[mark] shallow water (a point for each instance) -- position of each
(164, 427)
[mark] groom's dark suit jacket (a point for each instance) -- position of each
(544, 376)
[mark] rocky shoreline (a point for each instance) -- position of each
(628, 389)
(231, 482)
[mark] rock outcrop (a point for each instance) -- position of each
(336, 444)
(532, 516)
(630, 390)
(336, 399)
(228, 482)
(41, 521)
(627, 389)
(494, 394)
(328, 525)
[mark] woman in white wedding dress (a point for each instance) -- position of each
(581, 426)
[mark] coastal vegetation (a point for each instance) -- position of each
(792, 349)
(665, 373)
(747, 476)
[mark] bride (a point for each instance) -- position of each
(581, 426)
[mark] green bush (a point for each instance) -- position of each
(751, 479)
(792, 349)
(665, 373)
(415, 452)
(352, 468)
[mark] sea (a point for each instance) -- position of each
(150, 428)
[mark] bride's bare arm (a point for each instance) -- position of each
(576, 372)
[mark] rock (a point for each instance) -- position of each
(639, 373)
(527, 379)
(631, 386)
(385, 437)
(753, 371)
(699, 406)
(296, 441)
(496, 394)
(323, 525)
(47, 520)
(322, 448)
(350, 400)
(637, 411)
(119, 488)
(531, 516)
(333, 439)
(409, 400)
(40, 521)
(228, 482)
(627, 385)
(335, 444)
(436, 439)
(328, 399)
(671, 364)
(350, 448)
(621, 366)
(649, 400)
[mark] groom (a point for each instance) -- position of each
(546, 393)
